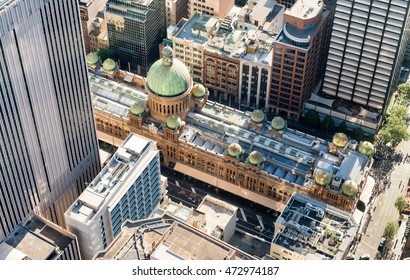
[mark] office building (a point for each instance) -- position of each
(190, 39)
(135, 29)
(128, 187)
(89, 10)
(366, 51)
(218, 8)
(175, 11)
(243, 153)
(299, 56)
(39, 239)
(49, 146)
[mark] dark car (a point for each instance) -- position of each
(381, 244)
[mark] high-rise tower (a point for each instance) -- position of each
(48, 144)
(366, 51)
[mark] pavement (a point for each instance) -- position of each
(383, 208)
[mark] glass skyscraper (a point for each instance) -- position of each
(135, 29)
(48, 144)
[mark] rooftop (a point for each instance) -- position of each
(306, 9)
(217, 214)
(197, 23)
(104, 90)
(36, 240)
(314, 229)
(118, 170)
(263, 9)
(288, 155)
(165, 238)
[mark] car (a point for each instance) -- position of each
(350, 257)
(381, 244)
(364, 257)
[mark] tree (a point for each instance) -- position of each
(400, 203)
(393, 132)
(105, 53)
(312, 118)
(358, 134)
(391, 230)
(403, 91)
(342, 127)
(327, 123)
(399, 111)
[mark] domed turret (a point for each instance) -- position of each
(322, 178)
(174, 122)
(198, 91)
(255, 158)
(349, 188)
(92, 58)
(278, 123)
(340, 140)
(258, 116)
(366, 148)
(234, 149)
(168, 77)
(109, 65)
(137, 108)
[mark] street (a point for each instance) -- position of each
(396, 170)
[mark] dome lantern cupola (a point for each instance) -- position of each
(168, 77)
(258, 116)
(137, 108)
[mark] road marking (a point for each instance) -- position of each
(177, 183)
(243, 214)
(193, 190)
(260, 222)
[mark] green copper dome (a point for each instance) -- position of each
(258, 116)
(278, 123)
(366, 148)
(137, 108)
(234, 149)
(92, 58)
(340, 140)
(109, 65)
(173, 122)
(323, 178)
(349, 188)
(255, 158)
(168, 77)
(198, 91)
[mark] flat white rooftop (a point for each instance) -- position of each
(306, 9)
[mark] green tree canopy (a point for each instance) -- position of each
(393, 132)
(358, 134)
(399, 111)
(391, 230)
(312, 118)
(105, 53)
(403, 91)
(342, 127)
(327, 123)
(400, 203)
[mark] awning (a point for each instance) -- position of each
(321, 100)
(367, 114)
(109, 138)
(229, 187)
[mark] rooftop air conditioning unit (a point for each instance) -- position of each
(336, 182)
